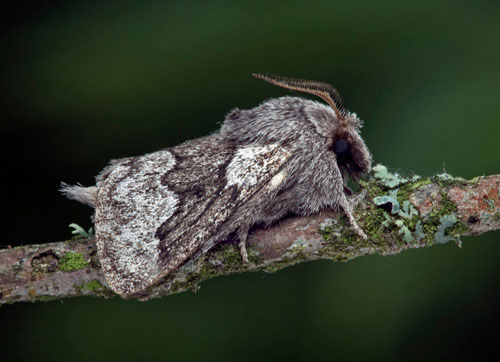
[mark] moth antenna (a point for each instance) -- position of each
(323, 90)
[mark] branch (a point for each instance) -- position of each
(396, 214)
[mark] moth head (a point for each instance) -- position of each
(350, 149)
(342, 135)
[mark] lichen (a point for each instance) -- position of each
(94, 285)
(17, 267)
(404, 216)
(46, 298)
(446, 180)
(444, 176)
(407, 211)
(72, 262)
(446, 221)
(372, 223)
(419, 230)
(40, 297)
(298, 245)
(386, 199)
(387, 222)
(490, 203)
(388, 179)
(407, 189)
(79, 232)
(327, 229)
(404, 231)
(418, 183)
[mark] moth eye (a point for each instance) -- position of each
(342, 148)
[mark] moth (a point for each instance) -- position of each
(288, 155)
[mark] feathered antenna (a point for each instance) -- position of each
(323, 90)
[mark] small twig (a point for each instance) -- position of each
(396, 214)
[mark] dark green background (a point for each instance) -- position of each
(84, 82)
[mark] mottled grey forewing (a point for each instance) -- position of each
(131, 205)
(157, 210)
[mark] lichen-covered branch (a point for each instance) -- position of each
(396, 214)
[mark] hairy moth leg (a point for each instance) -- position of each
(242, 235)
(356, 199)
(348, 207)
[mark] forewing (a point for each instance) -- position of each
(156, 211)
(131, 205)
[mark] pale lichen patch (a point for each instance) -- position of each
(446, 222)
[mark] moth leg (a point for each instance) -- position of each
(356, 200)
(348, 207)
(242, 234)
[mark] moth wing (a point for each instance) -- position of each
(131, 204)
(156, 211)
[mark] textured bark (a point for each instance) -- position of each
(431, 210)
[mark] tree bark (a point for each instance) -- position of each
(396, 214)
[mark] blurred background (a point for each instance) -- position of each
(83, 82)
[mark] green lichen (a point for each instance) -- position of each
(94, 285)
(72, 262)
(342, 247)
(446, 204)
(446, 221)
(406, 190)
(388, 221)
(326, 230)
(326, 233)
(475, 180)
(419, 230)
(407, 211)
(404, 231)
(45, 298)
(386, 199)
(79, 231)
(418, 183)
(405, 185)
(442, 223)
(444, 176)
(490, 203)
(17, 267)
(372, 223)
(298, 256)
(227, 255)
(446, 180)
(329, 231)
(403, 195)
(231, 255)
(446, 207)
(388, 179)
(175, 287)
(298, 246)
(404, 216)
